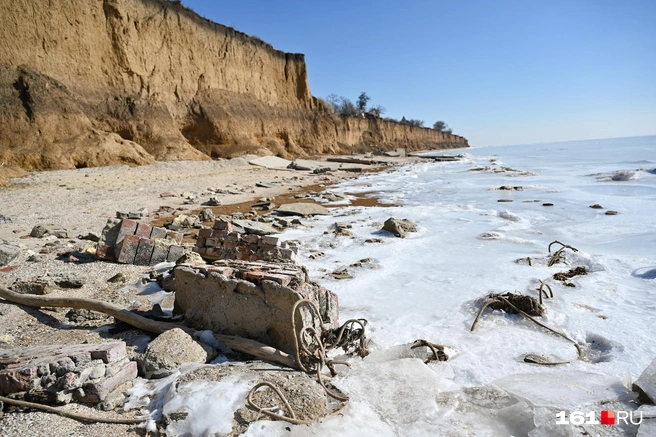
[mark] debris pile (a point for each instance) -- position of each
(243, 240)
(89, 373)
(130, 242)
(252, 300)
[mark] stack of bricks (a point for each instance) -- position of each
(89, 373)
(130, 242)
(223, 242)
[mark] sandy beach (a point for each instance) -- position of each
(80, 202)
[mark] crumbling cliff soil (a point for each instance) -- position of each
(102, 82)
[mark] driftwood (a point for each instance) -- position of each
(71, 414)
(245, 345)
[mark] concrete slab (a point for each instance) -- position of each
(307, 164)
(272, 162)
(304, 209)
(254, 301)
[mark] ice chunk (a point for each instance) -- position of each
(564, 389)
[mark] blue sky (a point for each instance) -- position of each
(497, 71)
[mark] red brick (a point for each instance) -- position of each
(223, 225)
(220, 234)
(230, 245)
(143, 230)
(158, 233)
(270, 241)
(243, 256)
(127, 227)
(234, 236)
(200, 242)
(144, 252)
(211, 242)
(255, 277)
(280, 279)
(251, 238)
(204, 233)
(127, 249)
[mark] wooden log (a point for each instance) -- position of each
(245, 345)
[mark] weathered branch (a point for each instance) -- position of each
(251, 347)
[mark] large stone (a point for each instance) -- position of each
(8, 253)
(646, 384)
(252, 300)
(169, 351)
(38, 231)
(304, 209)
(399, 227)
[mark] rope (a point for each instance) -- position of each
(541, 290)
(531, 358)
(310, 356)
(437, 349)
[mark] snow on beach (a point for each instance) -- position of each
(431, 284)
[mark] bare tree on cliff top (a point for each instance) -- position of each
(377, 110)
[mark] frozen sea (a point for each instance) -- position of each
(430, 286)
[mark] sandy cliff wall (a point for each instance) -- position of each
(95, 82)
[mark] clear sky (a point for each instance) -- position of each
(496, 71)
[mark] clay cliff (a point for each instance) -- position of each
(98, 82)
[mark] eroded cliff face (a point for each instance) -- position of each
(96, 82)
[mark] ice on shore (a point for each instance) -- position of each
(430, 285)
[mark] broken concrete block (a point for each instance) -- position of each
(175, 252)
(249, 299)
(8, 253)
(175, 236)
(304, 209)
